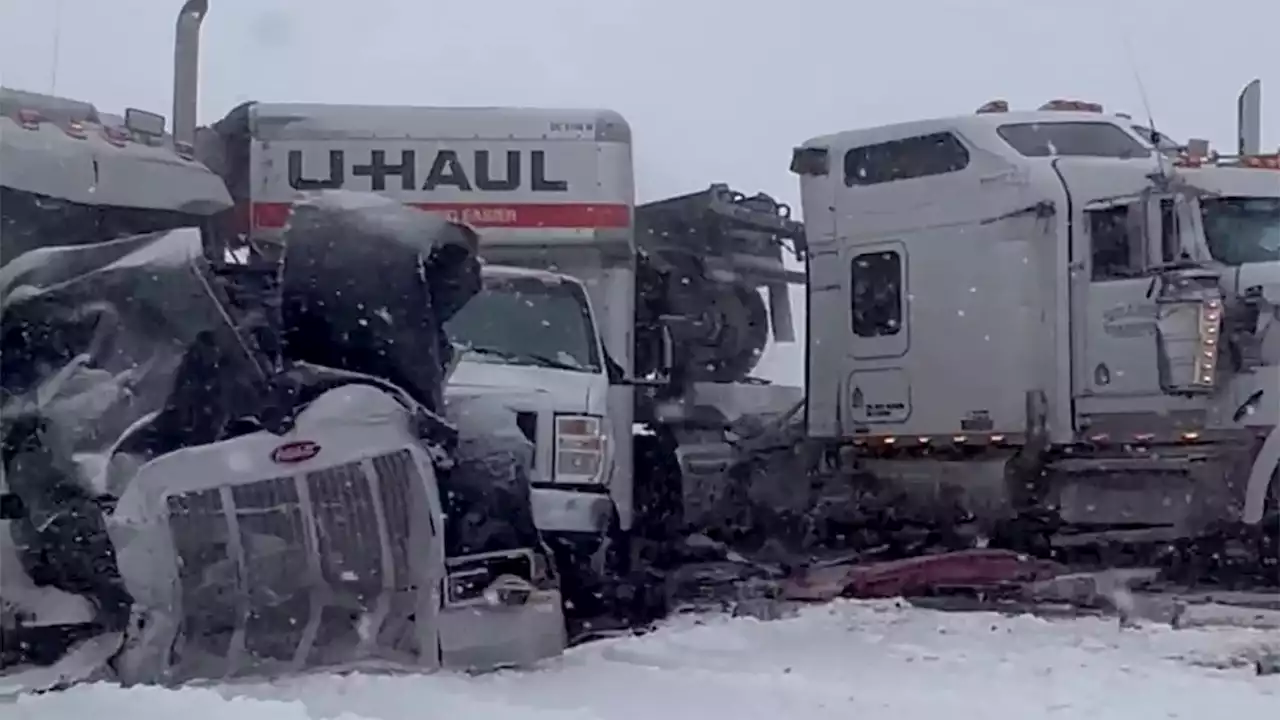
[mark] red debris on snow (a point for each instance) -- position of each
(976, 569)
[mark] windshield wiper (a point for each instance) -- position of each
(481, 350)
(524, 357)
(545, 361)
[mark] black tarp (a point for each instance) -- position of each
(368, 285)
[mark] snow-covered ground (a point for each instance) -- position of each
(848, 660)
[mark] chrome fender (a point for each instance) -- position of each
(1261, 475)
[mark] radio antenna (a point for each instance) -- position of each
(57, 47)
(1153, 133)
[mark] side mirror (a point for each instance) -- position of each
(810, 161)
(12, 507)
(146, 124)
(619, 379)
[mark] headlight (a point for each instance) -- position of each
(1210, 331)
(579, 449)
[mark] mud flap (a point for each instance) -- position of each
(1265, 472)
(85, 662)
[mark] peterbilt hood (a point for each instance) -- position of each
(566, 390)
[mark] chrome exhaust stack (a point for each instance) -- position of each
(1249, 119)
(186, 70)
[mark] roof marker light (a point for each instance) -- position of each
(1072, 106)
(116, 136)
(30, 119)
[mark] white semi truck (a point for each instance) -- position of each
(1049, 312)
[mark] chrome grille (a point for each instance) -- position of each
(297, 572)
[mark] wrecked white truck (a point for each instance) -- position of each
(217, 463)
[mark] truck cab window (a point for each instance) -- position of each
(30, 221)
(1170, 238)
(876, 294)
(1241, 229)
(916, 157)
(1116, 249)
(1072, 139)
(528, 321)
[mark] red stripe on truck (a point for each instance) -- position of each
(269, 216)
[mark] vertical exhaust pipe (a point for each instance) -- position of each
(186, 70)
(1249, 119)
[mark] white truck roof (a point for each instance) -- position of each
(65, 149)
(981, 129)
(977, 123)
(384, 122)
(1234, 181)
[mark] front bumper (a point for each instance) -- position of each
(570, 509)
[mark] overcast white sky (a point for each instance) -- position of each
(715, 90)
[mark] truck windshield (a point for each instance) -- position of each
(1072, 139)
(528, 321)
(1242, 230)
(29, 221)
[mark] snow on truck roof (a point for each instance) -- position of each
(313, 120)
(68, 150)
(963, 124)
(1234, 180)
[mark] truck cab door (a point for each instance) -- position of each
(1112, 305)
(1139, 321)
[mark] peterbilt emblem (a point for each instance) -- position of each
(295, 452)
